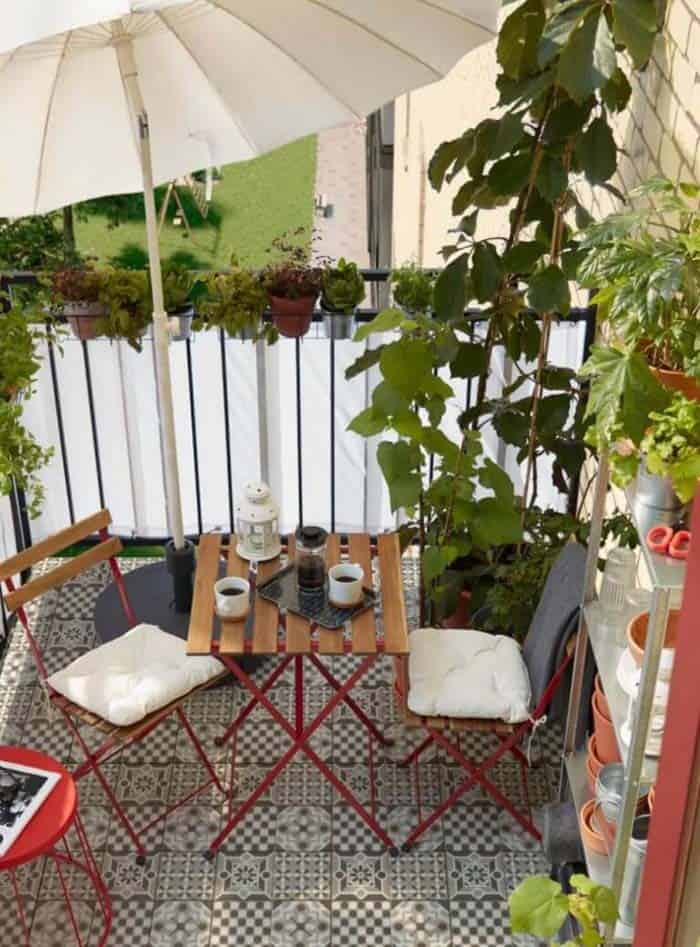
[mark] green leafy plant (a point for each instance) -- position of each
(563, 76)
(178, 282)
(645, 264)
(234, 302)
(510, 589)
(671, 445)
(291, 276)
(21, 457)
(342, 287)
(75, 284)
(538, 906)
(126, 296)
(412, 288)
(30, 243)
(469, 505)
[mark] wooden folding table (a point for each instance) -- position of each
(294, 639)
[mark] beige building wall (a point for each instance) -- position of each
(660, 133)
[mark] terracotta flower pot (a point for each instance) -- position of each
(460, 617)
(606, 741)
(592, 770)
(594, 763)
(678, 381)
(602, 699)
(83, 318)
(292, 316)
(638, 629)
(591, 837)
(651, 798)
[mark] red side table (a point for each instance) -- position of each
(47, 830)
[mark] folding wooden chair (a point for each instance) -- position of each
(553, 625)
(116, 738)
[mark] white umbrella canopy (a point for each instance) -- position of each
(159, 88)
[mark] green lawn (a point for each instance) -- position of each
(254, 202)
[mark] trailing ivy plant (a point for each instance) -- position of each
(468, 506)
(562, 79)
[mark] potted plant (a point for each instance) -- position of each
(670, 451)
(413, 288)
(293, 285)
(342, 290)
(178, 283)
(539, 907)
(19, 361)
(126, 297)
(645, 265)
(76, 294)
(235, 302)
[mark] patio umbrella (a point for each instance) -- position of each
(121, 103)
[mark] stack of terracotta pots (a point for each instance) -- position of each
(602, 746)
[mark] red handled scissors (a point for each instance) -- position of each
(669, 542)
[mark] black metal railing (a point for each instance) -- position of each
(375, 278)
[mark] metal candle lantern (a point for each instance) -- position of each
(257, 523)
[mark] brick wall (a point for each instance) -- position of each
(661, 129)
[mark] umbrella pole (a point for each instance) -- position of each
(179, 552)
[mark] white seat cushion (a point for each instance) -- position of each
(129, 678)
(458, 672)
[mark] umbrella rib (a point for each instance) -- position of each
(288, 55)
(378, 36)
(234, 118)
(47, 119)
(457, 16)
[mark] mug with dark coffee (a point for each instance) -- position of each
(232, 595)
(345, 584)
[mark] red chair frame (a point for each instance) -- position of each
(116, 739)
(509, 737)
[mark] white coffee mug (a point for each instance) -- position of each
(345, 584)
(232, 597)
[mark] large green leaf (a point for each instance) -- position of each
(388, 401)
(363, 362)
(567, 119)
(435, 560)
(635, 26)
(385, 321)
(508, 176)
(450, 293)
(487, 271)
(552, 413)
(588, 60)
(617, 91)
(512, 426)
(495, 523)
(368, 422)
(399, 463)
(438, 443)
(552, 177)
(538, 906)
(470, 362)
(522, 257)
(597, 152)
(456, 151)
(518, 38)
(549, 290)
(558, 29)
(405, 364)
(495, 478)
(623, 393)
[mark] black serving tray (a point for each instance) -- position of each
(281, 588)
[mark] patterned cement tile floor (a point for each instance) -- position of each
(301, 870)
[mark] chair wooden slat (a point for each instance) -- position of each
(66, 570)
(55, 543)
(330, 641)
(298, 630)
(232, 634)
(202, 615)
(364, 637)
(267, 616)
(393, 607)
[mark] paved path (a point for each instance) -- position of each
(341, 177)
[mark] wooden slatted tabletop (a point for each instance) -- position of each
(266, 633)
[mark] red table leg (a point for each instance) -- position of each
(300, 736)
